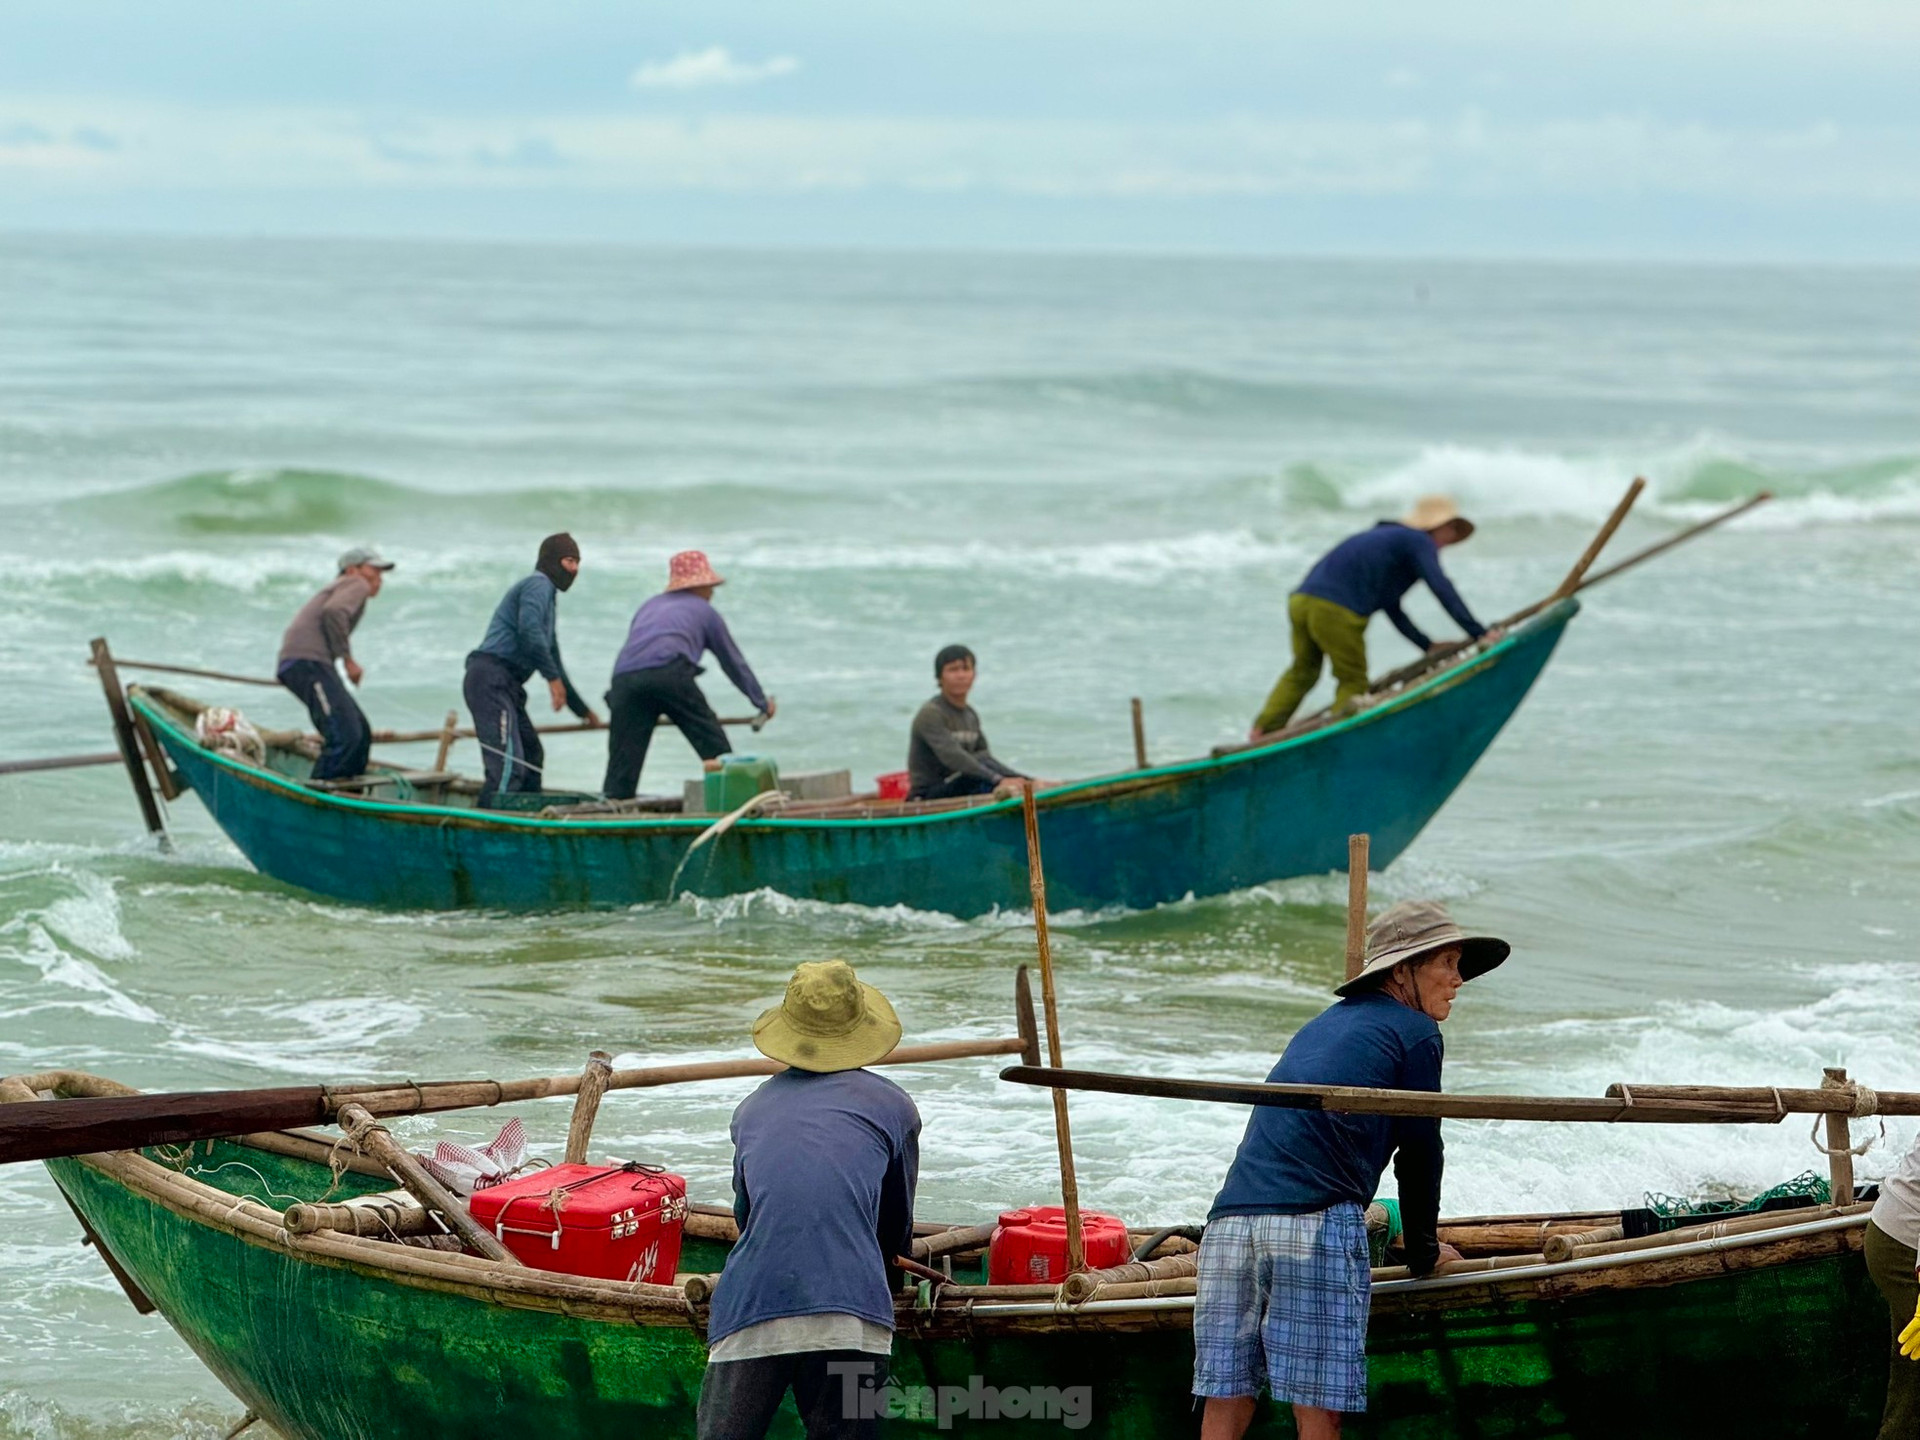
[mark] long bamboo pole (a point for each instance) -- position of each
(1751, 1105)
(1062, 1131)
(586, 1106)
(192, 670)
(85, 1125)
(1357, 847)
(60, 762)
(129, 743)
(1599, 541)
(1677, 538)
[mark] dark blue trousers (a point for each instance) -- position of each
(509, 745)
(343, 729)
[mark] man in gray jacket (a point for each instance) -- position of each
(317, 640)
(947, 755)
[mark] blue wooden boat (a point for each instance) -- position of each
(1240, 817)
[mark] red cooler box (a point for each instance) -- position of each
(1029, 1247)
(619, 1223)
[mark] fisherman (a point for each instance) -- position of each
(655, 672)
(1893, 1235)
(318, 638)
(826, 1155)
(521, 639)
(1284, 1285)
(1364, 573)
(947, 755)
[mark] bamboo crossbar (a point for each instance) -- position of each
(1635, 1104)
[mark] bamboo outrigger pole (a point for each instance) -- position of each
(1357, 846)
(1063, 1134)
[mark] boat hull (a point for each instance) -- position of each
(1137, 840)
(331, 1350)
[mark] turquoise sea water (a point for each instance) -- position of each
(1102, 473)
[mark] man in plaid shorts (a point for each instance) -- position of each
(1284, 1283)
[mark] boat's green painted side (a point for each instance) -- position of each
(326, 1351)
(1199, 828)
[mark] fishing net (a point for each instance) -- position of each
(1669, 1212)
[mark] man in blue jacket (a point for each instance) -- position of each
(520, 641)
(1362, 574)
(826, 1156)
(1284, 1286)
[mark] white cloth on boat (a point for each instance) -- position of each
(1897, 1211)
(230, 733)
(793, 1334)
(464, 1169)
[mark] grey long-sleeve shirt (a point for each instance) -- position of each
(321, 630)
(946, 743)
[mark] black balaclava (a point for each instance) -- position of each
(950, 654)
(553, 550)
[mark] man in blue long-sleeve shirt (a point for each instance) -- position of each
(1365, 573)
(826, 1156)
(520, 641)
(1284, 1285)
(654, 674)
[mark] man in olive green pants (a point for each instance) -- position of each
(1363, 574)
(1892, 1230)
(1320, 629)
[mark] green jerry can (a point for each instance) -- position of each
(738, 780)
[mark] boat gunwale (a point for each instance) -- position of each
(1058, 796)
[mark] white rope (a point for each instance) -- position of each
(1860, 1149)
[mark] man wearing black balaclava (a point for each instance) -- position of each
(520, 640)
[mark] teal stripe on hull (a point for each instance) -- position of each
(1201, 828)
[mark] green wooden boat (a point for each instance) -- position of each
(1239, 817)
(330, 1336)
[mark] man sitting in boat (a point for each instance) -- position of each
(1364, 573)
(1284, 1284)
(520, 640)
(317, 640)
(654, 674)
(826, 1157)
(947, 754)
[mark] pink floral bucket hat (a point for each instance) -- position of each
(690, 568)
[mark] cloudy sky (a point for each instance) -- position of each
(1759, 129)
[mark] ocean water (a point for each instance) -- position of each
(1104, 474)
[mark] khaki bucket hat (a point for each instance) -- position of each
(1430, 512)
(829, 1020)
(1414, 929)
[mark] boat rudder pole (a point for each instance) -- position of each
(1062, 1131)
(131, 752)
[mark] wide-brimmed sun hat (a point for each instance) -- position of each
(690, 568)
(829, 1020)
(1414, 929)
(1430, 512)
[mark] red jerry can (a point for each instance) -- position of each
(620, 1223)
(1029, 1247)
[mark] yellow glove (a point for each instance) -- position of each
(1910, 1337)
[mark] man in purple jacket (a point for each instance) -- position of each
(826, 1155)
(1363, 574)
(654, 675)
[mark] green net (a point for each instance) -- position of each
(1809, 1188)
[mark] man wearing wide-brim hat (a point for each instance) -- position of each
(1284, 1284)
(1365, 573)
(826, 1156)
(655, 673)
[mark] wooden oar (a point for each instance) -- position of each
(122, 1122)
(1750, 1105)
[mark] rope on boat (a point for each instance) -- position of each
(720, 827)
(1832, 1150)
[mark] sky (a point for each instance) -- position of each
(1759, 130)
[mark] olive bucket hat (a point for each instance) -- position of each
(829, 1020)
(1415, 929)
